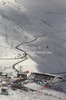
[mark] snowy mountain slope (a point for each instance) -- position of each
(42, 36)
(10, 33)
(50, 32)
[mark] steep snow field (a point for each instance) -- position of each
(48, 24)
(37, 27)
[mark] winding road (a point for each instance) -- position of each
(23, 58)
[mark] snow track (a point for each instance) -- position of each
(36, 92)
(59, 73)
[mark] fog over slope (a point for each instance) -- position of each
(39, 7)
(52, 17)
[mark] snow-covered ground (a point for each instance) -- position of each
(37, 27)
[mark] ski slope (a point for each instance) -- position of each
(37, 28)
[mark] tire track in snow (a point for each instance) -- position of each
(10, 58)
